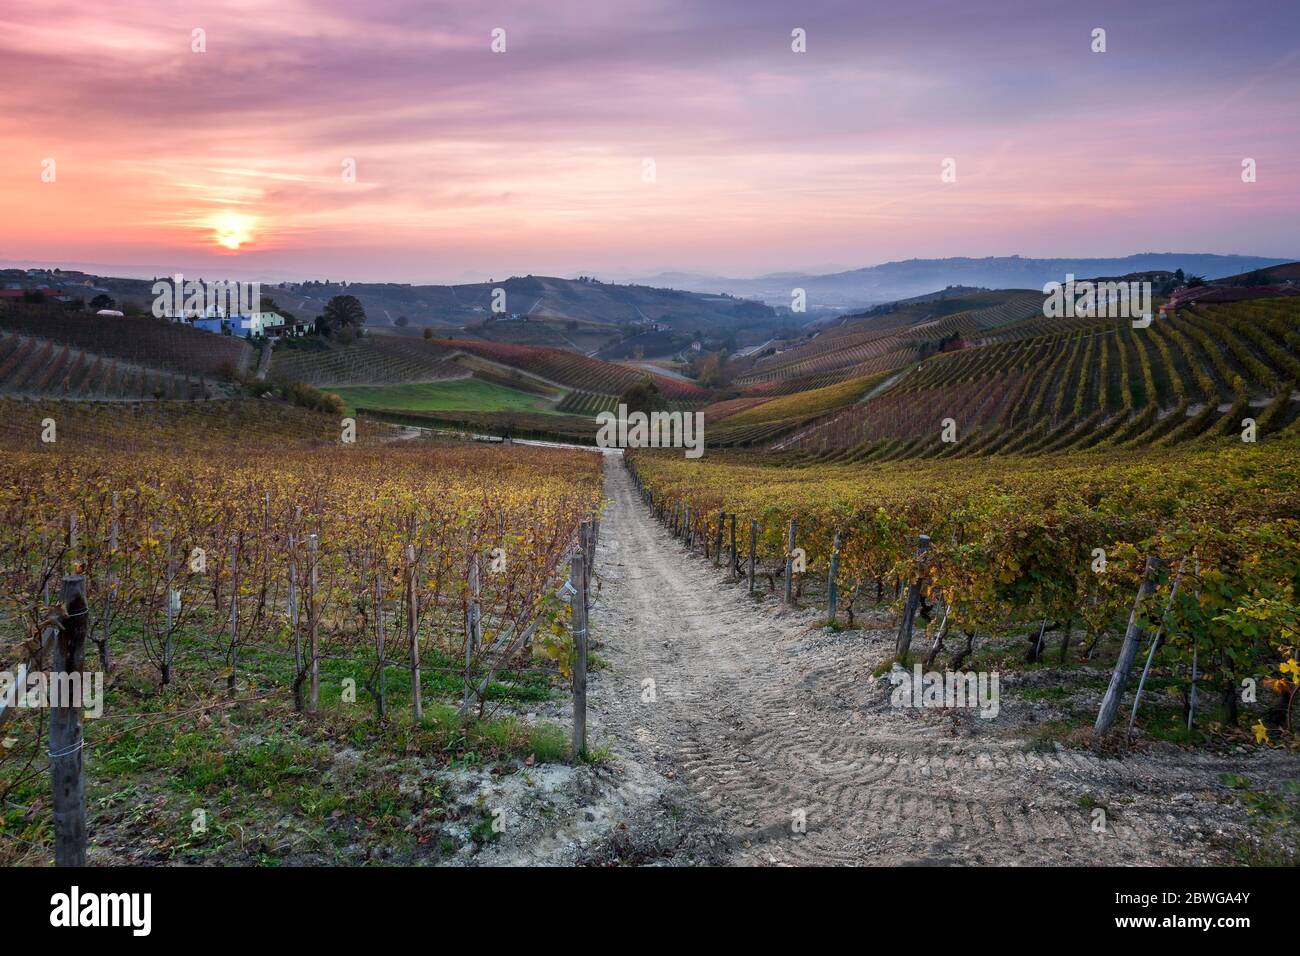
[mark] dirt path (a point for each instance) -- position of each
(759, 718)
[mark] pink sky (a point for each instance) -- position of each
(475, 163)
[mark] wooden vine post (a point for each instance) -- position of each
(173, 607)
(293, 621)
(1133, 636)
(789, 563)
(832, 584)
(381, 702)
(313, 628)
(904, 641)
(731, 568)
(66, 742)
(234, 613)
(578, 579)
(589, 540)
(473, 627)
(412, 607)
(753, 547)
(110, 590)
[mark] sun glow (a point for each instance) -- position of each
(232, 229)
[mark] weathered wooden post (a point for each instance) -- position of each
(293, 622)
(234, 613)
(1196, 647)
(717, 540)
(110, 591)
(832, 583)
(732, 570)
(382, 702)
(753, 547)
(412, 606)
(589, 555)
(904, 641)
(789, 564)
(1128, 651)
(577, 575)
(1156, 643)
(66, 741)
(313, 631)
(473, 628)
(173, 607)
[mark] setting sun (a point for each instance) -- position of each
(232, 229)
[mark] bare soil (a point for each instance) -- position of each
(758, 717)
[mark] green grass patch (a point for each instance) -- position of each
(275, 786)
(462, 394)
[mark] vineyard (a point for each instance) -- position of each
(1195, 375)
(178, 426)
(1040, 549)
(571, 370)
(543, 426)
(779, 416)
(580, 402)
(254, 582)
(863, 346)
(378, 360)
(147, 341)
(32, 366)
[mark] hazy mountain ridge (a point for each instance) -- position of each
(902, 279)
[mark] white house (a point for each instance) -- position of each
(256, 325)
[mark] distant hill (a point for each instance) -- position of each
(893, 281)
(581, 315)
(599, 313)
(1272, 275)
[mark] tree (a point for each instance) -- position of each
(401, 322)
(710, 369)
(102, 301)
(644, 396)
(428, 333)
(343, 316)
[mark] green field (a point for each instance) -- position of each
(462, 394)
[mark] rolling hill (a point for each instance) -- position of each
(544, 310)
(1056, 385)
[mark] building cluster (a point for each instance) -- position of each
(250, 325)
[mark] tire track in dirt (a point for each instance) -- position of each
(758, 716)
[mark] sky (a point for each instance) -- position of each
(626, 137)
